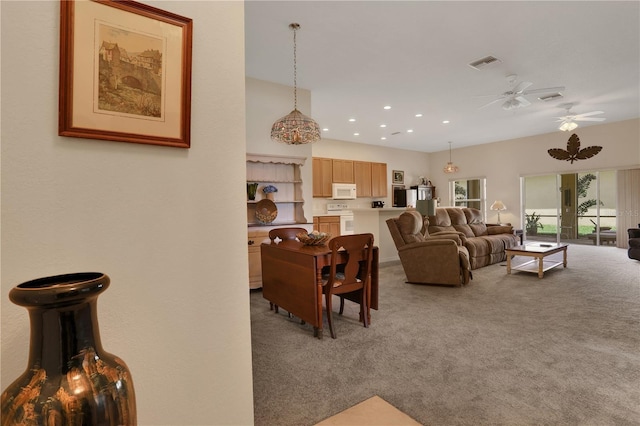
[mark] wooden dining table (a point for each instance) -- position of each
(292, 279)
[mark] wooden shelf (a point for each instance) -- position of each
(273, 181)
(276, 201)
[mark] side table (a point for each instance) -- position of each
(519, 233)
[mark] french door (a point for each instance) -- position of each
(572, 207)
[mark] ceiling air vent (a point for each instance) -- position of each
(395, 133)
(551, 97)
(481, 63)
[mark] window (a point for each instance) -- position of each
(468, 193)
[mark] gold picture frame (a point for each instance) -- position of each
(125, 73)
(398, 177)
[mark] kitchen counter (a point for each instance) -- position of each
(374, 221)
(382, 209)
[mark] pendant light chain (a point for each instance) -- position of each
(295, 27)
(295, 128)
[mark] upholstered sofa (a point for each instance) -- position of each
(438, 259)
(486, 243)
(634, 243)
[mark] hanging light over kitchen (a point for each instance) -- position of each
(295, 128)
(450, 168)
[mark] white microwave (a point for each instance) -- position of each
(343, 191)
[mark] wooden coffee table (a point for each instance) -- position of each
(538, 251)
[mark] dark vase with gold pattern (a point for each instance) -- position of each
(70, 379)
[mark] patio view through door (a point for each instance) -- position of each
(575, 207)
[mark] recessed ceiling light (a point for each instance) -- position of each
(383, 125)
(387, 107)
(410, 131)
(383, 138)
(352, 120)
(356, 134)
(445, 122)
(418, 115)
(325, 130)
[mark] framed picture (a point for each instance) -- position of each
(125, 73)
(398, 177)
(396, 195)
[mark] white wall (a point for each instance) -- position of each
(503, 163)
(265, 103)
(159, 221)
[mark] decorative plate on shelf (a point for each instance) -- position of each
(266, 211)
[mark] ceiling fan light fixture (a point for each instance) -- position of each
(295, 128)
(568, 126)
(510, 104)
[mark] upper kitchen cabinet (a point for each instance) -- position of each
(378, 179)
(322, 176)
(370, 178)
(343, 171)
(362, 172)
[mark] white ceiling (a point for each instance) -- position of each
(357, 56)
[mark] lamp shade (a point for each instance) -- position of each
(498, 205)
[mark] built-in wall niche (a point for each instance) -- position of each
(283, 173)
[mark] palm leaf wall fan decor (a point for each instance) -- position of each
(573, 151)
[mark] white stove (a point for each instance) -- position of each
(346, 216)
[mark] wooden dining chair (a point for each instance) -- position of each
(283, 234)
(356, 277)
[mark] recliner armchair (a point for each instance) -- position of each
(436, 259)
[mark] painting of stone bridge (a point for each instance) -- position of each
(130, 73)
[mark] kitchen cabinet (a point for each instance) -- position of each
(370, 178)
(255, 238)
(362, 177)
(378, 179)
(342, 171)
(328, 224)
(322, 176)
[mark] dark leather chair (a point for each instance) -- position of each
(634, 243)
(355, 279)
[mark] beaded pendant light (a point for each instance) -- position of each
(450, 168)
(295, 128)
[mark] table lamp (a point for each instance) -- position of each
(498, 205)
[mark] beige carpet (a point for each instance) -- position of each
(504, 350)
(375, 411)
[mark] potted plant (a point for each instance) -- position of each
(533, 223)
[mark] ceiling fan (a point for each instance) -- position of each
(568, 122)
(515, 98)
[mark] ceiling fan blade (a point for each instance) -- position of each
(523, 101)
(587, 114)
(492, 102)
(589, 119)
(544, 90)
(522, 86)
